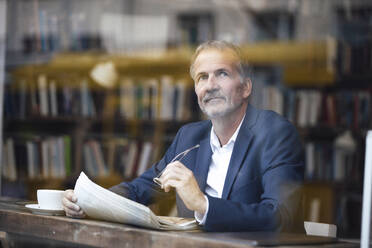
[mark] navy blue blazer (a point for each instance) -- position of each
(262, 186)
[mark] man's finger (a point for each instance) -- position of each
(174, 173)
(169, 184)
(74, 214)
(69, 194)
(68, 204)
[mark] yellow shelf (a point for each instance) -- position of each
(287, 52)
(303, 62)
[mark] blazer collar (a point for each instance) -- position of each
(203, 160)
(251, 115)
(204, 154)
(240, 150)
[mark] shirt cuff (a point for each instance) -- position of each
(200, 218)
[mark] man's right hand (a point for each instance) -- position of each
(71, 209)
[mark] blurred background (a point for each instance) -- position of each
(103, 86)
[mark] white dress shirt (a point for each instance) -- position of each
(217, 169)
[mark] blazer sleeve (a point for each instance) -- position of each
(143, 189)
(281, 166)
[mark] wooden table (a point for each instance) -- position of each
(24, 227)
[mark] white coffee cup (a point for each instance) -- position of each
(50, 199)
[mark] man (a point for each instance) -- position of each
(246, 172)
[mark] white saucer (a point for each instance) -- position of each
(35, 209)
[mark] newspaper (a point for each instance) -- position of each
(100, 203)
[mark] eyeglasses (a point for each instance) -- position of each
(178, 157)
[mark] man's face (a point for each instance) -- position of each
(218, 84)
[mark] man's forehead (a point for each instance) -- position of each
(217, 56)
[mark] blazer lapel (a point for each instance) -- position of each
(240, 149)
(203, 161)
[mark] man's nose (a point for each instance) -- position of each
(212, 82)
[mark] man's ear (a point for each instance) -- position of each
(247, 89)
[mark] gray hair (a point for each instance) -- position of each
(241, 66)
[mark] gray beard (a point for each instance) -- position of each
(219, 114)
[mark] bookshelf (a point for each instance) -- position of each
(129, 111)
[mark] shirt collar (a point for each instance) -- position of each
(215, 143)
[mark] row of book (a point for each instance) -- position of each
(44, 29)
(47, 98)
(44, 32)
(33, 43)
(126, 157)
(308, 108)
(166, 99)
(51, 157)
(334, 161)
(151, 99)
(38, 157)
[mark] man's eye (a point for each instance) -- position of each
(203, 77)
(222, 74)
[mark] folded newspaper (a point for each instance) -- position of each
(100, 203)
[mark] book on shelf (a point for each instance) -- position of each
(302, 111)
(89, 164)
(9, 167)
(166, 99)
(45, 159)
(33, 160)
(84, 98)
(139, 101)
(310, 160)
(98, 157)
(127, 104)
(154, 99)
(146, 101)
(179, 112)
(145, 158)
(67, 154)
(314, 107)
(35, 100)
(20, 154)
(22, 100)
(55, 159)
(43, 94)
(53, 98)
(136, 159)
(100, 203)
(132, 154)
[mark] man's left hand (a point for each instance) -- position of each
(182, 179)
